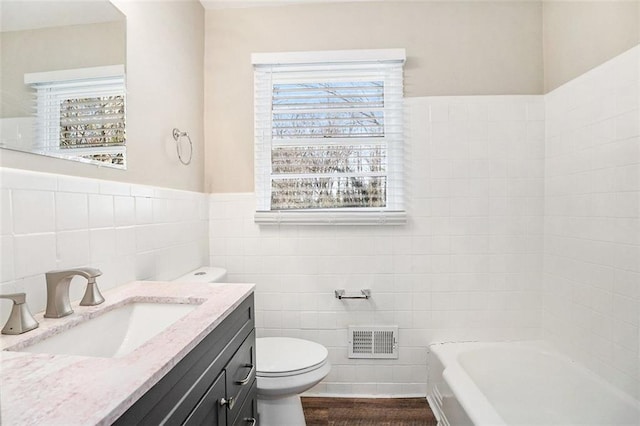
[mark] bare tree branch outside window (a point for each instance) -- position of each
(329, 149)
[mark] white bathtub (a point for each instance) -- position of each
(520, 383)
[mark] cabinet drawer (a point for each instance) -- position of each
(208, 411)
(248, 414)
(240, 374)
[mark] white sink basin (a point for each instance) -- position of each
(115, 333)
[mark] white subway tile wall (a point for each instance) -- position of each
(130, 232)
(591, 279)
(466, 266)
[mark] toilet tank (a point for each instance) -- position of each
(205, 274)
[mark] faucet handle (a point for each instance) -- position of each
(92, 295)
(18, 298)
(20, 319)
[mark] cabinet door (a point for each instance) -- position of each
(241, 373)
(248, 414)
(209, 411)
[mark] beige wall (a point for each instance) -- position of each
(453, 48)
(165, 49)
(580, 35)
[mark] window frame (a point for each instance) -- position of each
(380, 64)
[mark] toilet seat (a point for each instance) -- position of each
(285, 368)
(285, 356)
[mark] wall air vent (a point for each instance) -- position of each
(373, 342)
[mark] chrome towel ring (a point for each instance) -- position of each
(177, 136)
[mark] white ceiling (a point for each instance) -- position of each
(16, 15)
(229, 4)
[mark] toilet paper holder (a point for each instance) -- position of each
(342, 294)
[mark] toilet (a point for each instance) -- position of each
(285, 367)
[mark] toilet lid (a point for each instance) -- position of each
(286, 355)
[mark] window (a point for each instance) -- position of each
(81, 114)
(328, 137)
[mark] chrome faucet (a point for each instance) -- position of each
(20, 319)
(58, 304)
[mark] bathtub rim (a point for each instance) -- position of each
(475, 404)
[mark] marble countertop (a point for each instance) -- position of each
(46, 389)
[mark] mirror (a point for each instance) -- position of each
(62, 82)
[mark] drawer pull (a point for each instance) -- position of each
(228, 402)
(250, 420)
(246, 379)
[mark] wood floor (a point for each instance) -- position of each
(367, 412)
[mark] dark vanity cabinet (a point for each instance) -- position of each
(215, 384)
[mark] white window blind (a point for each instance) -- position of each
(329, 138)
(81, 117)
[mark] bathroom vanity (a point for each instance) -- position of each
(199, 369)
(214, 384)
